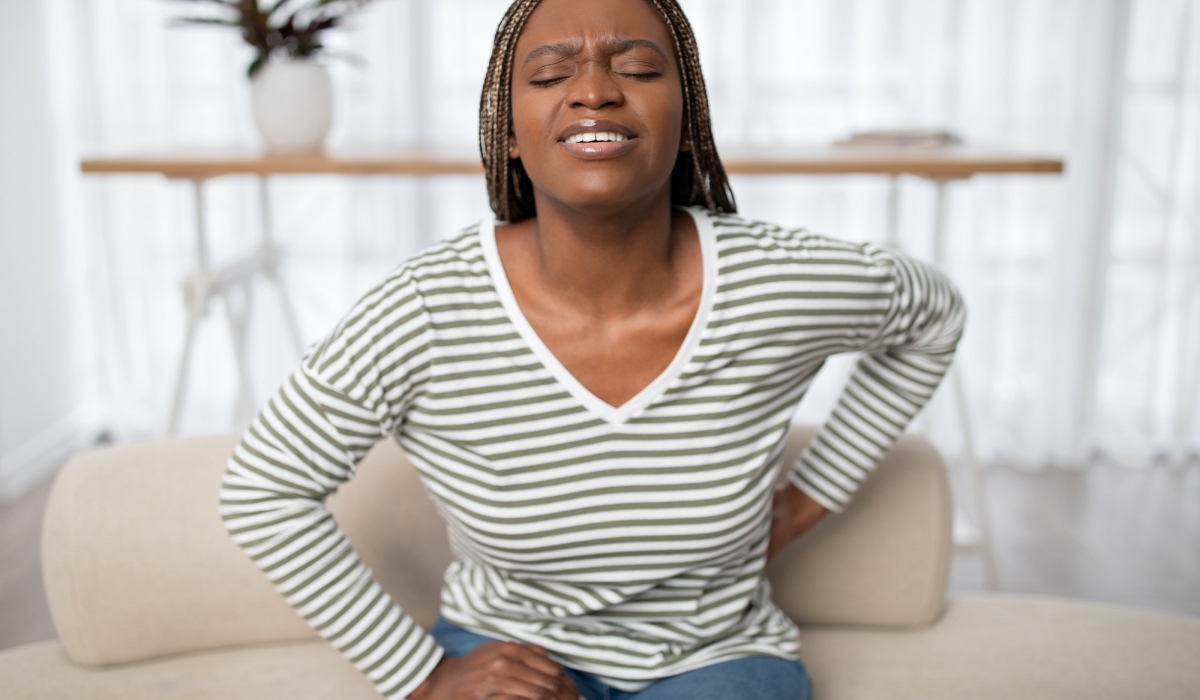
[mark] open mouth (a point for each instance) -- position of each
(590, 138)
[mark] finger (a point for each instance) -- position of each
(566, 685)
(566, 682)
(554, 679)
(536, 659)
(540, 662)
(514, 662)
(521, 688)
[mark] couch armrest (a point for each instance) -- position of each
(137, 564)
(884, 561)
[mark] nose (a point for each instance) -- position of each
(594, 88)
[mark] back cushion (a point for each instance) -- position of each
(138, 565)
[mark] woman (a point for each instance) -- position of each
(594, 387)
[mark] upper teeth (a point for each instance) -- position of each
(595, 136)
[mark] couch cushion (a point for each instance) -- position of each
(981, 648)
(1006, 647)
(290, 671)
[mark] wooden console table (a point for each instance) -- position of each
(947, 163)
(939, 166)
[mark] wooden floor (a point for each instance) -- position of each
(1107, 534)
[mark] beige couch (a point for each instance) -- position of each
(152, 600)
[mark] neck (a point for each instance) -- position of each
(607, 262)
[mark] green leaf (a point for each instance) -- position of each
(307, 47)
(296, 33)
(222, 3)
(207, 20)
(256, 65)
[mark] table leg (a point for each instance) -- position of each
(272, 255)
(237, 316)
(893, 213)
(939, 221)
(982, 538)
(196, 292)
(193, 320)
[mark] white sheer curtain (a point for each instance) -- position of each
(1084, 332)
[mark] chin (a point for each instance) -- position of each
(606, 193)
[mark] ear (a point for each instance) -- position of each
(514, 153)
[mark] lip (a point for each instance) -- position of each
(585, 125)
(598, 149)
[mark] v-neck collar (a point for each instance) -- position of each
(612, 414)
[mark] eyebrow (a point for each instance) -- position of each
(574, 48)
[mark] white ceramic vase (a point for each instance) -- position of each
(293, 105)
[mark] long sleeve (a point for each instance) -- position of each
(902, 365)
(349, 391)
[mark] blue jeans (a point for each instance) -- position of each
(749, 678)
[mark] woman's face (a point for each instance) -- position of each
(597, 103)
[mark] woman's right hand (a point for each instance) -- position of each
(498, 670)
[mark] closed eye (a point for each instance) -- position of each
(546, 83)
(649, 75)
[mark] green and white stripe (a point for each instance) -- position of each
(628, 541)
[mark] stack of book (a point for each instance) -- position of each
(900, 138)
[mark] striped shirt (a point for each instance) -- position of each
(628, 541)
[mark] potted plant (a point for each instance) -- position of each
(291, 93)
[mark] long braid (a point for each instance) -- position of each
(706, 184)
(698, 177)
(504, 174)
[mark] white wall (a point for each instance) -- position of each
(45, 410)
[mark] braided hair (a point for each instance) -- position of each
(698, 177)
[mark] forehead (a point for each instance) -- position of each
(619, 23)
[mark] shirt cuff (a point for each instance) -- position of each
(418, 677)
(820, 482)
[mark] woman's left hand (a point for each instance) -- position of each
(795, 513)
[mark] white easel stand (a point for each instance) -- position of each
(205, 283)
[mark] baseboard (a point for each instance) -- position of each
(37, 458)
